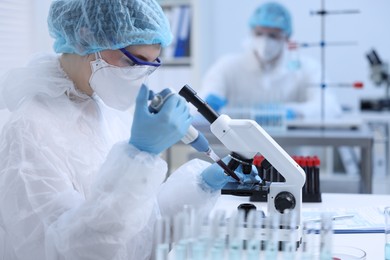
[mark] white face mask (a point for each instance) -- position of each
(267, 48)
(117, 86)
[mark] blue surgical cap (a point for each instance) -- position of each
(272, 15)
(89, 26)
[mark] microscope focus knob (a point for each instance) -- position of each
(284, 200)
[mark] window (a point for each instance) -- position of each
(15, 33)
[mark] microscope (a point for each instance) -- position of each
(245, 139)
(379, 74)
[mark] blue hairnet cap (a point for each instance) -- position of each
(272, 15)
(89, 26)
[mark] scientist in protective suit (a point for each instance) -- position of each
(81, 177)
(267, 72)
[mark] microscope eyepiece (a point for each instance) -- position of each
(203, 108)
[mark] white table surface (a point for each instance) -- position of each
(372, 244)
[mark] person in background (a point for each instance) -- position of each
(267, 72)
(81, 176)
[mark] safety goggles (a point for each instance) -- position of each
(130, 72)
(156, 63)
(272, 35)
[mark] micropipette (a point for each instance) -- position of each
(193, 136)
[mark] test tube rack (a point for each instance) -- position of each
(241, 235)
(311, 191)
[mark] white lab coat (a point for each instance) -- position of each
(292, 81)
(71, 187)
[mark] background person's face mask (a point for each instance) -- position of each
(267, 48)
(116, 86)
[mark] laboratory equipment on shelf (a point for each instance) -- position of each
(379, 71)
(193, 137)
(271, 116)
(245, 139)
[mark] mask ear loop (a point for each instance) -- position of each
(98, 55)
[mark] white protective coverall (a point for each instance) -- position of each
(294, 82)
(71, 187)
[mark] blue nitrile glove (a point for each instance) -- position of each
(215, 178)
(291, 114)
(154, 133)
(216, 102)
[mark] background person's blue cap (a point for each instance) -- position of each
(272, 15)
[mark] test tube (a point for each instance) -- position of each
(272, 243)
(191, 228)
(326, 234)
(387, 233)
(254, 225)
(218, 235)
(179, 237)
(316, 169)
(309, 174)
(202, 237)
(308, 240)
(163, 234)
(236, 227)
(289, 247)
(183, 233)
(301, 160)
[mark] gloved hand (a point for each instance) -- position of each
(291, 114)
(216, 102)
(215, 178)
(154, 133)
(294, 111)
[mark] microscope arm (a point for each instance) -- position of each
(247, 138)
